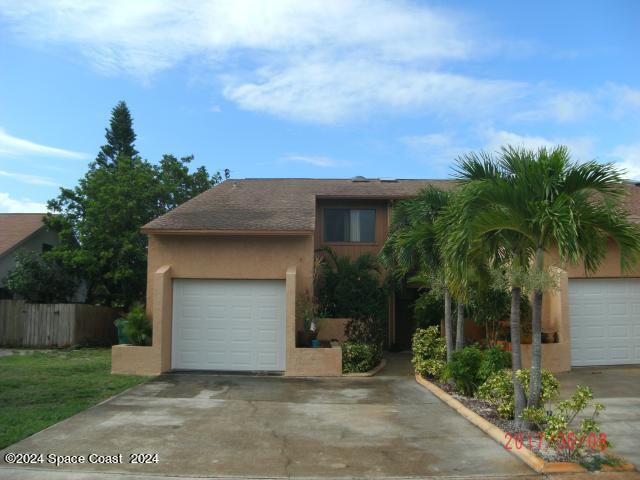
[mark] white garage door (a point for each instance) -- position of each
(228, 325)
(605, 321)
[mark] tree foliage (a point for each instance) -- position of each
(99, 220)
(40, 278)
(528, 203)
(352, 288)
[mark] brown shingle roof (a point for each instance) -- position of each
(288, 205)
(15, 227)
(283, 205)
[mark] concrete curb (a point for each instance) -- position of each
(369, 373)
(525, 455)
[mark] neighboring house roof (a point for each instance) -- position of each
(275, 205)
(17, 227)
(288, 205)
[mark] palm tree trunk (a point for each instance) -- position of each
(460, 327)
(516, 356)
(535, 384)
(448, 328)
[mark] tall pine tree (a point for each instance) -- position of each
(99, 220)
(120, 136)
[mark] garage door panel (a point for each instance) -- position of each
(228, 325)
(605, 321)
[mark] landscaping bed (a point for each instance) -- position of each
(560, 436)
(43, 388)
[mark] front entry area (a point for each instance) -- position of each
(605, 321)
(228, 325)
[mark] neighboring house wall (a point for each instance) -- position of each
(33, 243)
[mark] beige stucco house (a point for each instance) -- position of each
(225, 271)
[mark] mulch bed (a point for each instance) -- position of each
(530, 439)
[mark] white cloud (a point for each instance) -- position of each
(570, 106)
(10, 145)
(30, 179)
(627, 158)
(323, 162)
(330, 92)
(439, 150)
(316, 61)
(428, 140)
(311, 60)
(581, 148)
(12, 205)
(624, 99)
(148, 36)
(610, 100)
(563, 106)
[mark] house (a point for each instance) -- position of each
(21, 231)
(226, 268)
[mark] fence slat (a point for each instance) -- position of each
(55, 325)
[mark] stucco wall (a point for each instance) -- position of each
(555, 312)
(609, 268)
(260, 257)
(231, 258)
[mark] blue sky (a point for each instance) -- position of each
(315, 88)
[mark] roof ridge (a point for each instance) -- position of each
(341, 179)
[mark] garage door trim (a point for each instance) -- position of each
(228, 325)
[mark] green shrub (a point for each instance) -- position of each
(464, 369)
(352, 288)
(40, 278)
(498, 389)
(364, 330)
(493, 360)
(558, 427)
(360, 357)
(429, 352)
(137, 327)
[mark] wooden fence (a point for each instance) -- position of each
(55, 325)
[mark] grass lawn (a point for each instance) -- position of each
(40, 389)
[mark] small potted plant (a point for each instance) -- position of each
(308, 311)
(134, 328)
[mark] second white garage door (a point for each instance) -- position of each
(605, 321)
(233, 325)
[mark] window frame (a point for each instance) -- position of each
(323, 233)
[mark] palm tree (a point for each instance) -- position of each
(412, 246)
(542, 200)
(503, 251)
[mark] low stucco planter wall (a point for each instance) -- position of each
(556, 357)
(333, 329)
(314, 362)
(134, 360)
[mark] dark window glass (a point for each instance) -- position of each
(367, 226)
(336, 224)
(350, 225)
(46, 247)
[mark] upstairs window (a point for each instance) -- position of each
(350, 225)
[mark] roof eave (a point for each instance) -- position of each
(201, 232)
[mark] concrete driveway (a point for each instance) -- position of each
(219, 426)
(618, 388)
